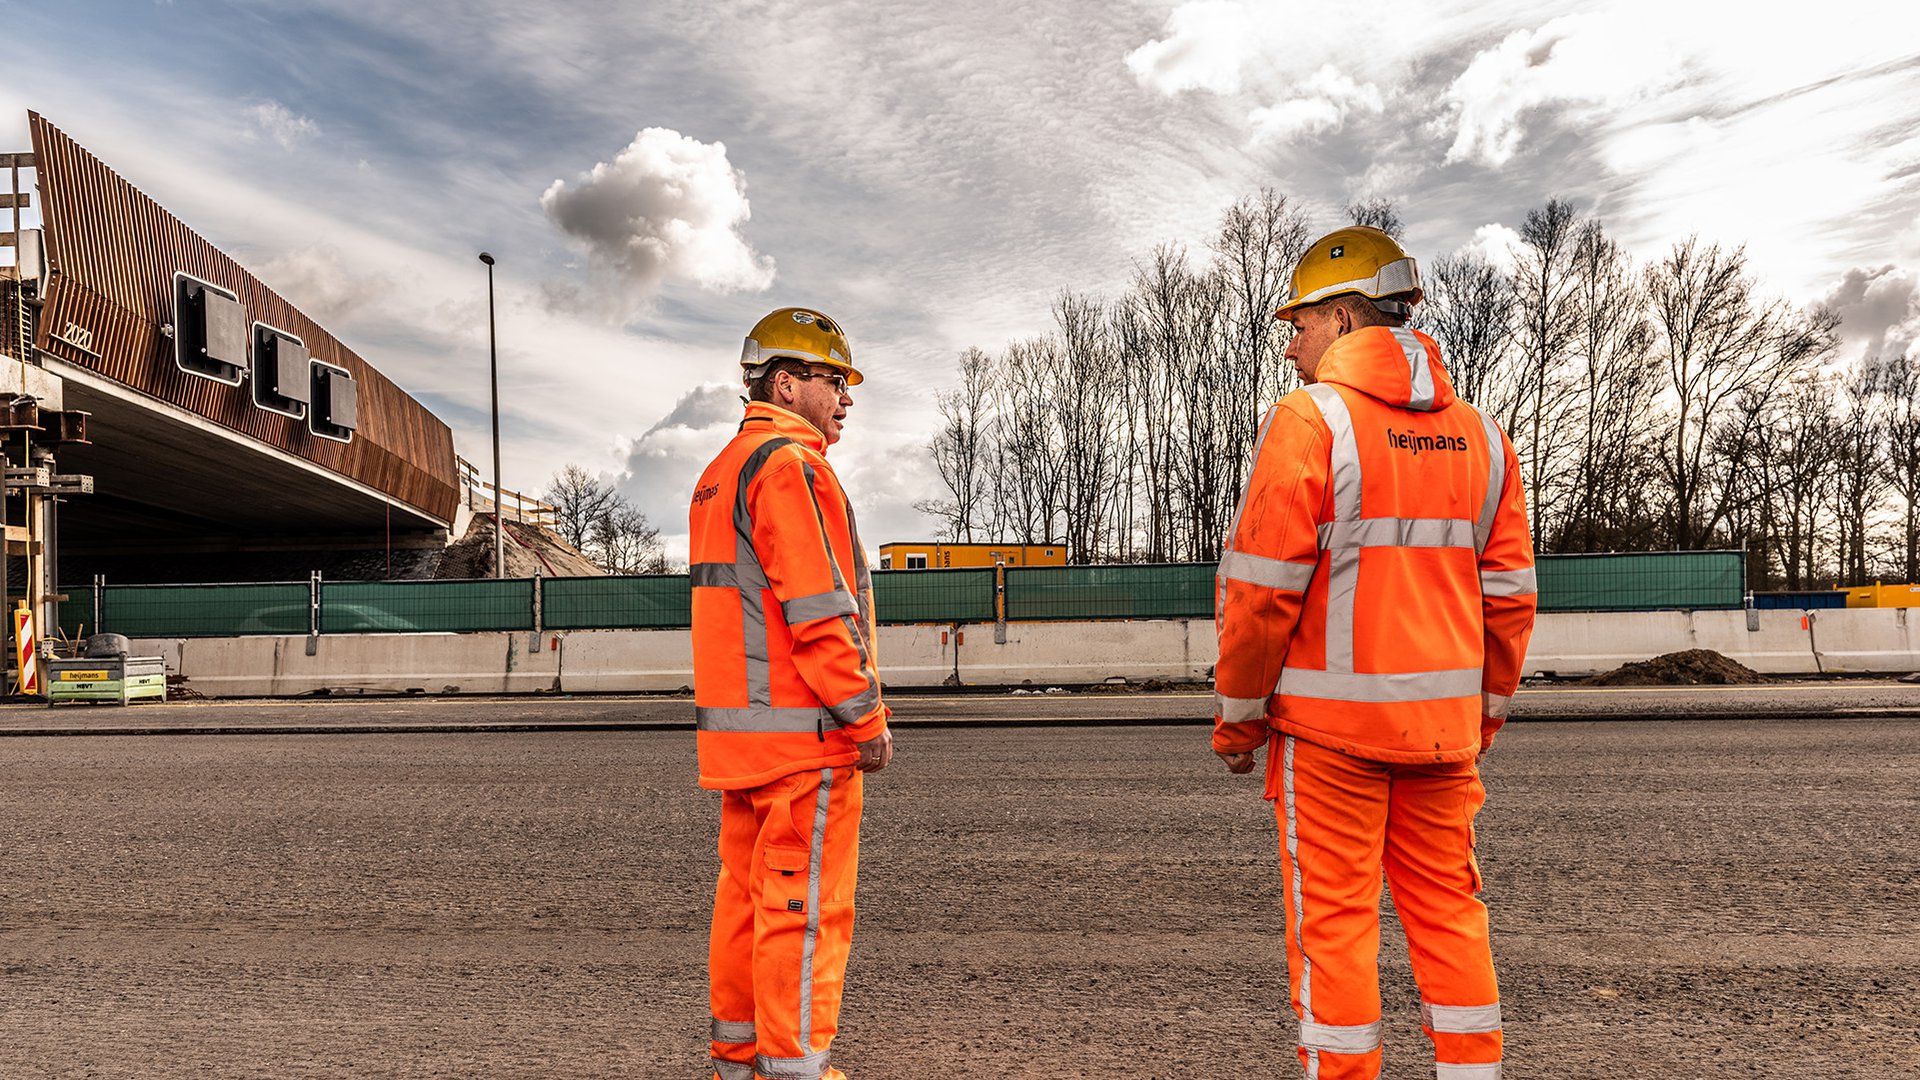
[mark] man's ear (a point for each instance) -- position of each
(1342, 320)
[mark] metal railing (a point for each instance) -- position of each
(482, 497)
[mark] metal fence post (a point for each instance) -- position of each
(99, 601)
(533, 643)
(313, 613)
(999, 603)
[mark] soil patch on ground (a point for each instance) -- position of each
(1691, 667)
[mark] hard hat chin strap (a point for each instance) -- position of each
(1397, 308)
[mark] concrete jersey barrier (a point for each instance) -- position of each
(1782, 642)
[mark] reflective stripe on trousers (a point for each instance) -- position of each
(1298, 929)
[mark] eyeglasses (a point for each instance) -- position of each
(839, 381)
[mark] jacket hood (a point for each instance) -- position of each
(1394, 364)
(790, 424)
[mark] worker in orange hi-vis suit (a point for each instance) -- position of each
(787, 697)
(1373, 603)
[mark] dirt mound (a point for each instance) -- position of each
(529, 549)
(1693, 667)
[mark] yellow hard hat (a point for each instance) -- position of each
(794, 333)
(1357, 259)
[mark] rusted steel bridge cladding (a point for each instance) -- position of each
(115, 251)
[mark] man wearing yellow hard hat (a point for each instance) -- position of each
(1373, 604)
(787, 700)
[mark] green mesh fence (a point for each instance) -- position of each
(204, 610)
(1642, 581)
(1614, 582)
(933, 596)
(366, 607)
(661, 602)
(76, 613)
(1160, 591)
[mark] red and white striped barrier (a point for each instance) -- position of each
(26, 649)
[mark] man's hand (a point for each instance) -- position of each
(875, 753)
(1237, 763)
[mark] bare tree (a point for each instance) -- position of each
(1378, 212)
(578, 499)
(1718, 341)
(1547, 324)
(1900, 381)
(1469, 310)
(623, 541)
(1027, 451)
(1260, 240)
(1154, 327)
(1617, 378)
(1860, 483)
(1086, 417)
(962, 449)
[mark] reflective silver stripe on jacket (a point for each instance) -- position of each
(867, 665)
(1341, 1039)
(824, 605)
(1343, 539)
(1398, 532)
(1260, 570)
(1239, 710)
(1343, 564)
(1380, 687)
(810, 1067)
(751, 578)
(1496, 479)
(1445, 1071)
(733, 1031)
(1419, 375)
(850, 711)
(758, 718)
(1495, 705)
(732, 1070)
(1508, 582)
(1461, 1019)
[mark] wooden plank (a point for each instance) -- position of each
(16, 161)
(10, 201)
(8, 239)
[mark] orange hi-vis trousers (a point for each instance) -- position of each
(1342, 820)
(782, 923)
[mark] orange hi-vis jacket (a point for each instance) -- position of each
(784, 675)
(1377, 589)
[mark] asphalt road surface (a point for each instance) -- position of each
(984, 708)
(1671, 898)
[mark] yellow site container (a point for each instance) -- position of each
(1878, 596)
(932, 556)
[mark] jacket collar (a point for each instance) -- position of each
(764, 414)
(1397, 365)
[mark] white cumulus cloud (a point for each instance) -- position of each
(1320, 104)
(1207, 44)
(667, 207)
(1495, 244)
(1879, 308)
(1583, 61)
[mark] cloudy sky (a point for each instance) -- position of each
(655, 176)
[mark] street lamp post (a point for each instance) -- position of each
(493, 371)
